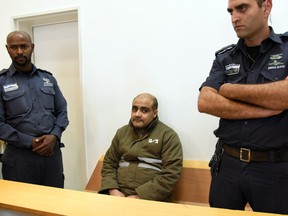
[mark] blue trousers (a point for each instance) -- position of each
(264, 185)
(23, 165)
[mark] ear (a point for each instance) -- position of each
(155, 113)
(32, 46)
(267, 7)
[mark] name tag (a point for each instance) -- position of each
(10, 87)
(232, 69)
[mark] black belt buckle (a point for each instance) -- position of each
(245, 154)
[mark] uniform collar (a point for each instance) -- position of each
(265, 43)
(13, 70)
(274, 37)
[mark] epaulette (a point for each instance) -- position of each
(45, 71)
(3, 71)
(284, 37)
(225, 49)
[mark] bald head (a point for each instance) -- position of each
(20, 48)
(18, 34)
(150, 97)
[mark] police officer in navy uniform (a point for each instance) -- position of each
(33, 116)
(248, 89)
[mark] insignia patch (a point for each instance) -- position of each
(153, 141)
(232, 69)
(47, 82)
(10, 87)
(276, 62)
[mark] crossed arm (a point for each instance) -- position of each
(243, 101)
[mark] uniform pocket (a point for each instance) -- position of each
(8, 160)
(15, 102)
(48, 97)
(236, 78)
(273, 75)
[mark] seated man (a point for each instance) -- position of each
(145, 158)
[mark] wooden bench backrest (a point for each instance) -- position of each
(94, 182)
(194, 183)
(193, 186)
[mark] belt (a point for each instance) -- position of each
(248, 155)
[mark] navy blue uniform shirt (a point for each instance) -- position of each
(231, 65)
(31, 104)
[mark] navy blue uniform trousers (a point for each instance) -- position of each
(23, 165)
(264, 185)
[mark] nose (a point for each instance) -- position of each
(19, 50)
(138, 113)
(234, 18)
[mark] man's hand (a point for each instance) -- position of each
(133, 196)
(44, 145)
(116, 192)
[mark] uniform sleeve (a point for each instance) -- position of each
(216, 76)
(162, 186)
(110, 167)
(61, 116)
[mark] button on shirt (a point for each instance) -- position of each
(31, 105)
(271, 65)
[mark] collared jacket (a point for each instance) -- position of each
(30, 105)
(231, 65)
(149, 167)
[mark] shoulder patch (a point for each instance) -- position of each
(3, 71)
(225, 49)
(44, 71)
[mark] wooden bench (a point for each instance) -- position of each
(192, 188)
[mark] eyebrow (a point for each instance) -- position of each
(230, 10)
(140, 107)
(12, 45)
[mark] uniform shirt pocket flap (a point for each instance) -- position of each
(13, 94)
(48, 90)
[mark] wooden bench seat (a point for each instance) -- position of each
(192, 188)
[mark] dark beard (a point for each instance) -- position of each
(22, 63)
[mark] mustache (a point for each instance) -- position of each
(20, 56)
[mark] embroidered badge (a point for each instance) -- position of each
(10, 87)
(47, 82)
(276, 62)
(232, 69)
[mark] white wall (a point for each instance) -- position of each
(165, 47)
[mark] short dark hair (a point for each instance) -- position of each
(155, 103)
(260, 2)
